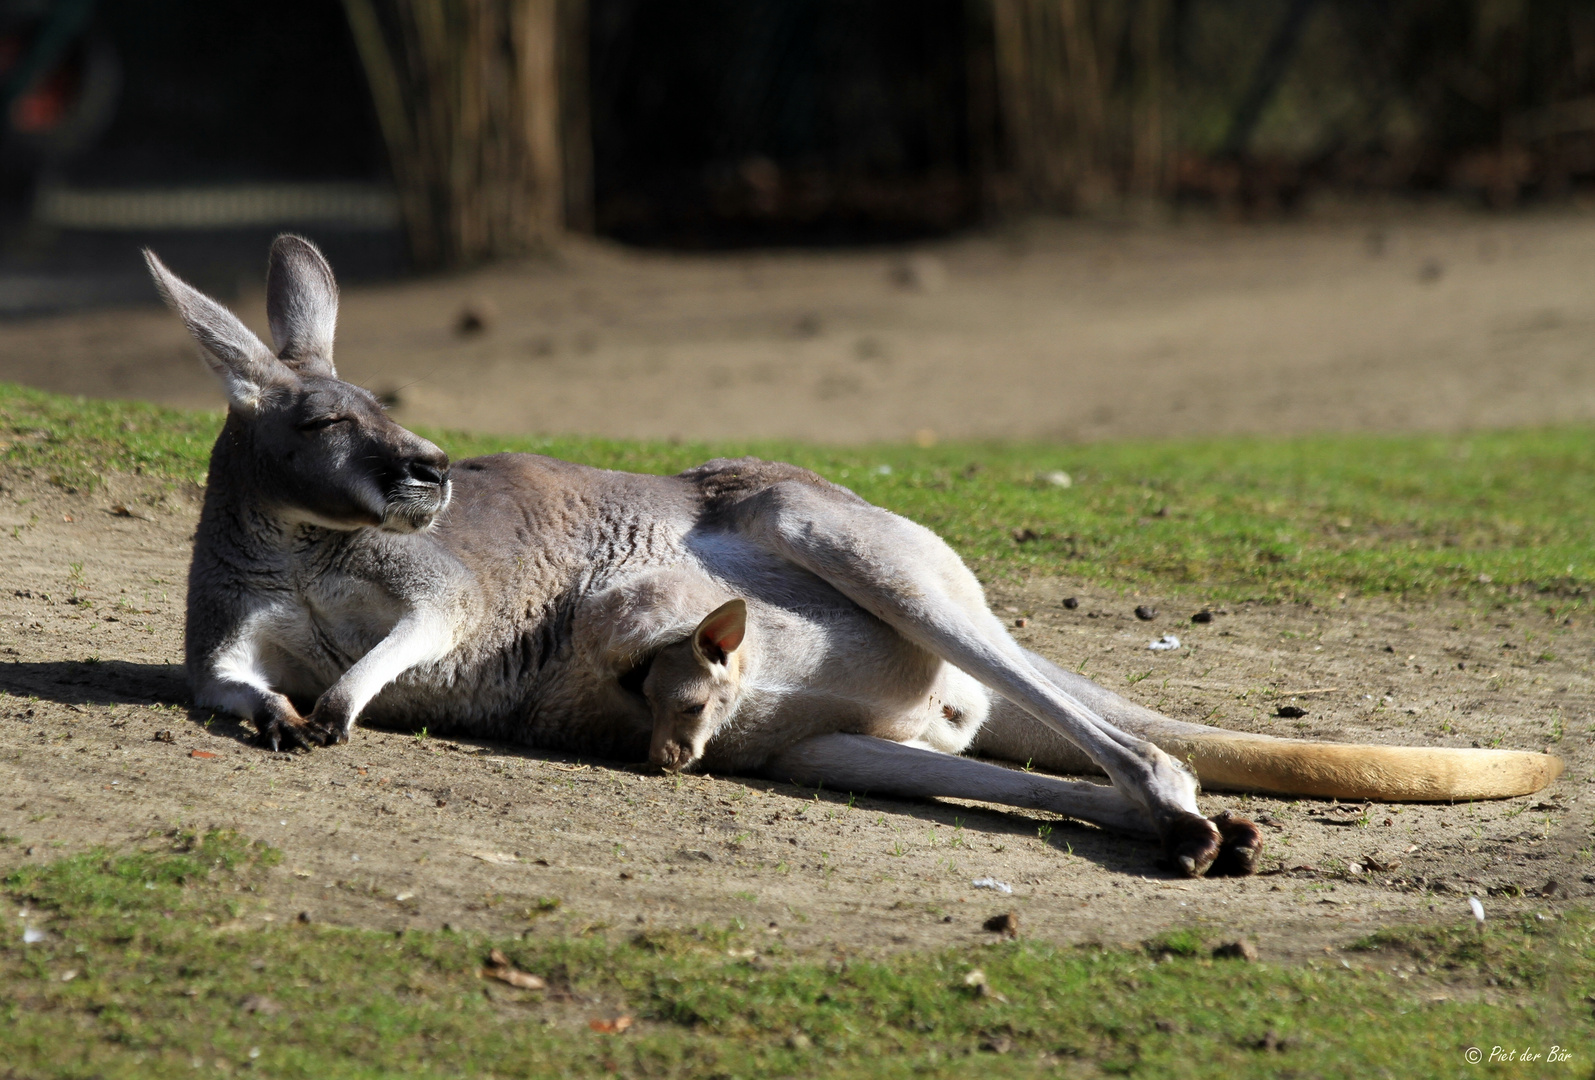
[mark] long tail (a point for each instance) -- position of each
(1237, 761)
(1227, 761)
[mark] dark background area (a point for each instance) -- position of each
(733, 123)
(786, 121)
(233, 90)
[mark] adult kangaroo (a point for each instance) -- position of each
(342, 562)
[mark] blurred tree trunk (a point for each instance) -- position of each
(467, 93)
(1080, 85)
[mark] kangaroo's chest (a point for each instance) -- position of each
(311, 634)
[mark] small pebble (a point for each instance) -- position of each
(1203, 616)
(475, 317)
(1237, 950)
(1146, 614)
(1071, 603)
(1006, 923)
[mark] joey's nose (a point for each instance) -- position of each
(429, 472)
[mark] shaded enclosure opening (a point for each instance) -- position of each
(252, 104)
(231, 90)
(732, 122)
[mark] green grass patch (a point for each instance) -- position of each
(155, 964)
(1231, 518)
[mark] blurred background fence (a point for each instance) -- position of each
(489, 127)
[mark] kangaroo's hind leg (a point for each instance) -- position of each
(867, 765)
(909, 578)
(1012, 734)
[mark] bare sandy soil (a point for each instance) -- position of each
(96, 747)
(1439, 321)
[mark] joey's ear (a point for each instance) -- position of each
(239, 358)
(721, 632)
(302, 305)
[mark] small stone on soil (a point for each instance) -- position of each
(1237, 950)
(1006, 923)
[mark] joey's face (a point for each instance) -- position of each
(690, 702)
(339, 461)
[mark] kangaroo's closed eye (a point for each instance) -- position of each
(693, 710)
(322, 422)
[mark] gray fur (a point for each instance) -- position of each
(341, 561)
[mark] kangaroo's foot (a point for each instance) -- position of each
(1192, 843)
(1239, 849)
(1221, 846)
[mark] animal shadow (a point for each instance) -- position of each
(114, 682)
(104, 682)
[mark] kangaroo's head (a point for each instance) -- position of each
(693, 685)
(322, 451)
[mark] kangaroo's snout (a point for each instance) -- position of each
(419, 488)
(429, 472)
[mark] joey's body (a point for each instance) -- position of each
(341, 563)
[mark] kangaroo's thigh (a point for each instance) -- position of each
(905, 575)
(1012, 734)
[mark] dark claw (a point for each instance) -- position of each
(1239, 849)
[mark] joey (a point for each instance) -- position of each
(693, 684)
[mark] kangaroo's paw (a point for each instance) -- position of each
(1240, 846)
(287, 732)
(1192, 843)
(326, 726)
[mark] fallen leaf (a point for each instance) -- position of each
(497, 858)
(610, 1027)
(1237, 950)
(200, 753)
(499, 967)
(1006, 923)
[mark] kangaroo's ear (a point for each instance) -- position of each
(302, 305)
(721, 632)
(239, 358)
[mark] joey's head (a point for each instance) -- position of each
(321, 451)
(693, 685)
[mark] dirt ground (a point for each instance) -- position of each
(391, 831)
(1349, 320)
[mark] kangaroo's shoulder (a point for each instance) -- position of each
(528, 482)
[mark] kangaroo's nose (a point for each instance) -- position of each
(428, 472)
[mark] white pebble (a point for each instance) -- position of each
(993, 884)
